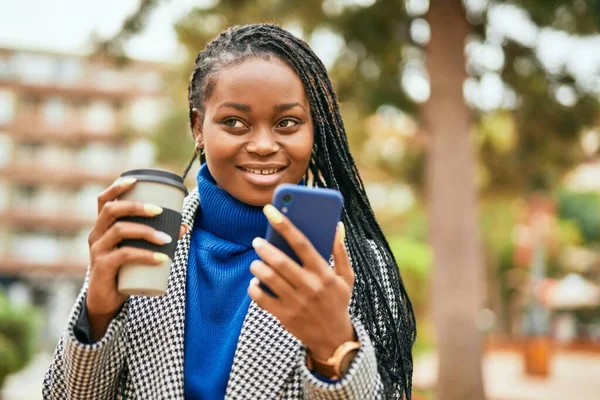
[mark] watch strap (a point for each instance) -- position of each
(331, 368)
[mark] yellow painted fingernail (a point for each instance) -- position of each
(342, 230)
(127, 182)
(161, 257)
(273, 214)
(257, 242)
(152, 210)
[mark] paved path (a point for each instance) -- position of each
(27, 384)
(573, 376)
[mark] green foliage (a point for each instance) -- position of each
(569, 232)
(547, 143)
(17, 337)
(505, 264)
(584, 210)
(412, 255)
(496, 222)
(9, 359)
(578, 16)
(173, 138)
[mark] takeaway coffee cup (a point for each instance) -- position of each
(164, 189)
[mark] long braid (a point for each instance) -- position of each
(386, 312)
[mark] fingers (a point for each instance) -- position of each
(264, 300)
(276, 282)
(112, 261)
(114, 191)
(279, 261)
(128, 230)
(342, 266)
(301, 280)
(114, 210)
(310, 257)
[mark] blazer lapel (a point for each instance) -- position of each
(157, 327)
(265, 358)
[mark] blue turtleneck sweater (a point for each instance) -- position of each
(218, 276)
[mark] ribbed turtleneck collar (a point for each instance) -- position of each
(225, 216)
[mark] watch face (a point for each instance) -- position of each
(347, 362)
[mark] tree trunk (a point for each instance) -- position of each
(458, 280)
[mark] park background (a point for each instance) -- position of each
(475, 125)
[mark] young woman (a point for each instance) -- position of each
(263, 112)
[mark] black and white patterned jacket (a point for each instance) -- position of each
(141, 355)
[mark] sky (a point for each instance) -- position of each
(67, 25)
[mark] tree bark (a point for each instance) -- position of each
(458, 280)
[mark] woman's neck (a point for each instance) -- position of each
(224, 216)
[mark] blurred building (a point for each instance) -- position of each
(69, 125)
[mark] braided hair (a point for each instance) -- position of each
(384, 309)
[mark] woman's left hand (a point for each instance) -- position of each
(313, 300)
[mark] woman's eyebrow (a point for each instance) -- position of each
(288, 106)
(237, 106)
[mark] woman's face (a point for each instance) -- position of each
(256, 130)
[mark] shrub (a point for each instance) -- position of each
(584, 210)
(17, 337)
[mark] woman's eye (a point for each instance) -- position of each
(287, 123)
(233, 123)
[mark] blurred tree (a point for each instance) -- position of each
(458, 278)
(18, 326)
(549, 103)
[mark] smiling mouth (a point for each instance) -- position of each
(269, 171)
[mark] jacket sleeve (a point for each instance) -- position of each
(87, 371)
(361, 382)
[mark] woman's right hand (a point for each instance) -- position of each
(103, 300)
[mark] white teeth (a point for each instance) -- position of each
(263, 171)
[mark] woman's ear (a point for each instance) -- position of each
(197, 121)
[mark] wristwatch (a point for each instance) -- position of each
(336, 366)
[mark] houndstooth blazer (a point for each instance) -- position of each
(141, 354)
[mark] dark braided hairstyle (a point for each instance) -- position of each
(379, 296)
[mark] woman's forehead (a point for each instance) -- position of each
(258, 80)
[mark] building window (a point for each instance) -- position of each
(87, 200)
(47, 248)
(56, 156)
(54, 111)
(110, 79)
(145, 114)
(100, 158)
(69, 70)
(141, 154)
(149, 81)
(35, 68)
(7, 106)
(5, 69)
(99, 117)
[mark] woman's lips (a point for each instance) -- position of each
(262, 177)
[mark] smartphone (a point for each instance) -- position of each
(314, 211)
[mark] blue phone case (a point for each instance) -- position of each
(315, 212)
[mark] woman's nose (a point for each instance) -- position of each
(262, 142)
